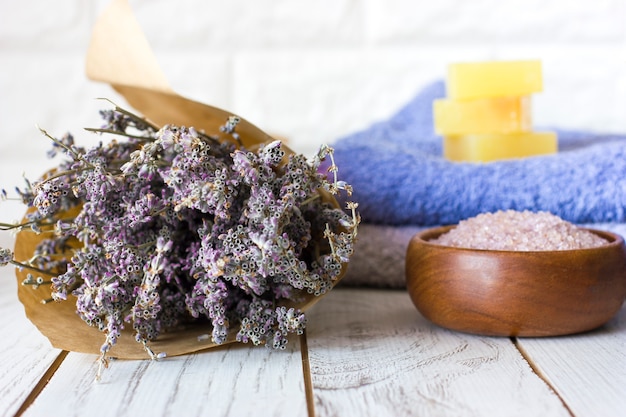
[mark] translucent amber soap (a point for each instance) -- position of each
(494, 79)
(491, 147)
(490, 115)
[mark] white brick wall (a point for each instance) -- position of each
(308, 70)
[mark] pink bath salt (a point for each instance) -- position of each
(519, 231)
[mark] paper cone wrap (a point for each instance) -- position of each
(120, 56)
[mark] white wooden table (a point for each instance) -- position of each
(365, 353)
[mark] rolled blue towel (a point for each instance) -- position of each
(400, 178)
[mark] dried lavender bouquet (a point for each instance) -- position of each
(163, 227)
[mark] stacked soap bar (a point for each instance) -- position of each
(487, 114)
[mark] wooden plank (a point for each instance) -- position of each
(235, 380)
(25, 353)
(372, 353)
(587, 370)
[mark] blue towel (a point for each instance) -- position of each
(400, 178)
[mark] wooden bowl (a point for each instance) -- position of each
(515, 293)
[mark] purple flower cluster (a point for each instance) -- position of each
(174, 226)
(6, 256)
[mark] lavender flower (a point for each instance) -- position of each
(173, 226)
(6, 256)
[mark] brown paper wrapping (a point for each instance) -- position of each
(119, 55)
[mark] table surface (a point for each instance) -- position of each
(366, 352)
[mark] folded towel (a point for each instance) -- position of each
(400, 178)
(379, 256)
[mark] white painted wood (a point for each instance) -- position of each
(25, 353)
(587, 370)
(373, 354)
(370, 353)
(237, 380)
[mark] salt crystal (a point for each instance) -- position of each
(519, 231)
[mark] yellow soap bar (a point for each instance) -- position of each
(492, 147)
(493, 79)
(487, 115)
